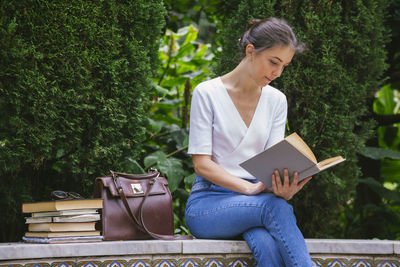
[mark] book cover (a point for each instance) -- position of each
(70, 218)
(52, 240)
(291, 153)
(62, 234)
(64, 212)
(61, 227)
(57, 205)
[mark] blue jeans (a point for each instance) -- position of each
(266, 222)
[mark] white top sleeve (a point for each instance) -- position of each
(201, 121)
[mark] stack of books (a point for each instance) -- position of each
(63, 221)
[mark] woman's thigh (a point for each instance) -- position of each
(221, 213)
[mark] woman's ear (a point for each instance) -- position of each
(250, 50)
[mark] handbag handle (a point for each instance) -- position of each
(153, 173)
(141, 224)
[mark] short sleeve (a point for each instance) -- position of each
(279, 123)
(201, 121)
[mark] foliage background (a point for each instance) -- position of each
(78, 99)
(74, 89)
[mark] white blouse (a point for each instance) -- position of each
(217, 129)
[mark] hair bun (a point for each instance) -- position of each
(253, 23)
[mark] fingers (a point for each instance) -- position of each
(274, 186)
(286, 177)
(295, 178)
(285, 188)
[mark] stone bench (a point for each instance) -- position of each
(191, 253)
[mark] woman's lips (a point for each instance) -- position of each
(268, 79)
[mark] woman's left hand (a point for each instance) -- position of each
(287, 190)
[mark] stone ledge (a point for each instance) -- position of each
(16, 251)
(353, 246)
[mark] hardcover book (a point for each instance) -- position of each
(56, 205)
(291, 153)
(62, 234)
(61, 227)
(72, 218)
(64, 212)
(53, 240)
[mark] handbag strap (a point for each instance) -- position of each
(140, 224)
(153, 173)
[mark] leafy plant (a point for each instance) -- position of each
(74, 85)
(185, 63)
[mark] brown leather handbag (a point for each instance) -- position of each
(136, 207)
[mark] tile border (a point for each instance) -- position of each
(140, 248)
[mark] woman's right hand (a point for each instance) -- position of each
(257, 188)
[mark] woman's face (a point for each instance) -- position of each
(268, 65)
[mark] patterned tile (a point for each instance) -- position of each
(203, 261)
(63, 264)
(363, 263)
(88, 264)
(140, 263)
(354, 262)
(165, 263)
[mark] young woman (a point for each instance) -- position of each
(233, 118)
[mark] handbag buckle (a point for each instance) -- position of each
(137, 189)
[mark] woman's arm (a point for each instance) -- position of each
(205, 167)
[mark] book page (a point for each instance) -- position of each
(330, 162)
(296, 141)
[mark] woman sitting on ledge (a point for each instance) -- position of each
(233, 118)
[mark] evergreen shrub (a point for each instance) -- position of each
(327, 88)
(75, 80)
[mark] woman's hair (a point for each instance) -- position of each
(269, 33)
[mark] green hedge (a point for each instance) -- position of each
(327, 88)
(75, 79)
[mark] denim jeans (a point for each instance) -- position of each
(265, 221)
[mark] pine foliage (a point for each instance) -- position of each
(75, 79)
(327, 88)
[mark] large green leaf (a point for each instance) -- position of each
(154, 158)
(180, 137)
(385, 101)
(190, 179)
(155, 126)
(379, 153)
(191, 35)
(201, 51)
(161, 91)
(173, 168)
(390, 170)
(184, 50)
(132, 166)
(380, 189)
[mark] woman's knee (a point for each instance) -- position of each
(280, 207)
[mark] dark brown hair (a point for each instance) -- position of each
(269, 33)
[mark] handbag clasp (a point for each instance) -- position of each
(137, 189)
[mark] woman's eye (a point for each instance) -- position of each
(273, 63)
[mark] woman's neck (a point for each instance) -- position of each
(240, 80)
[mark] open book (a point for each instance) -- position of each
(291, 153)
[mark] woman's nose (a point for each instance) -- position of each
(277, 72)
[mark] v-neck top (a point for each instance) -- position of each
(217, 129)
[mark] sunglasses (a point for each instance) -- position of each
(58, 194)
